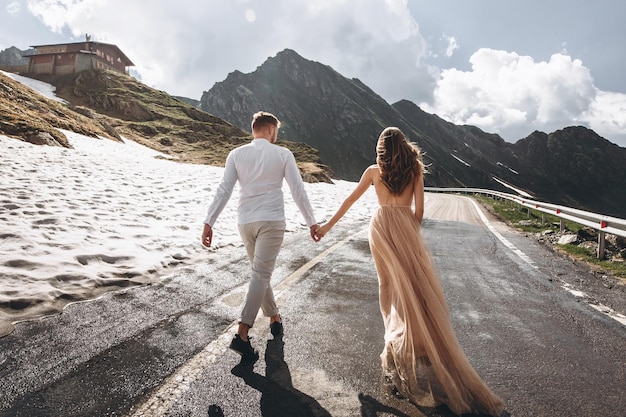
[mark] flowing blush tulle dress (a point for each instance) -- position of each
(422, 356)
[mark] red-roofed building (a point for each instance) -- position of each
(69, 58)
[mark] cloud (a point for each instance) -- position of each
(55, 14)
(452, 46)
(250, 15)
(607, 116)
(184, 47)
(513, 95)
(14, 7)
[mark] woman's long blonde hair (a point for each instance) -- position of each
(398, 159)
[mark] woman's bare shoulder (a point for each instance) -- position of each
(371, 172)
(372, 168)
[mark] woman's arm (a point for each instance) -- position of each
(418, 194)
(365, 182)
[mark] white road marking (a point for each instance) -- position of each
(606, 310)
(620, 318)
(174, 386)
(502, 239)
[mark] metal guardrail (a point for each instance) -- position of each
(603, 224)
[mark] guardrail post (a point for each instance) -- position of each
(601, 244)
(543, 218)
(562, 224)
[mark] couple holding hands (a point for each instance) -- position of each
(422, 357)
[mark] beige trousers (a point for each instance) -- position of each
(262, 241)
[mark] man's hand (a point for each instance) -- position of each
(314, 235)
(321, 231)
(207, 235)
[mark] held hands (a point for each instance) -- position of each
(318, 232)
(314, 230)
(321, 231)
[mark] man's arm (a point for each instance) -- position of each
(222, 195)
(298, 192)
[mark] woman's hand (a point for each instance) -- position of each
(322, 230)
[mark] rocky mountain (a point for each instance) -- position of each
(315, 104)
(112, 105)
(342, 118)
(11, 56)
(577, 167)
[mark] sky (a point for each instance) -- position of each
(507, 67)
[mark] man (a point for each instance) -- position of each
(260, 168)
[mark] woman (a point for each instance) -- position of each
(421, 357)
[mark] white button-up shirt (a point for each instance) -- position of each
(260, 168)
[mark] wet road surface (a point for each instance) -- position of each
(161, 350)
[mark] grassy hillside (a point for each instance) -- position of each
(108, 104)
(29, 116)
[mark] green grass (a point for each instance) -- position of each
(518, 217)
(616, 269)
(162, 122)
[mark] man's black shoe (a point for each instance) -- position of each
(215, 411)
(244, 349)
(276, 328)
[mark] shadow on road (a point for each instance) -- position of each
(278, 395)
(370, 407)
(280, 398)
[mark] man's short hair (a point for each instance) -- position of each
(262, 119)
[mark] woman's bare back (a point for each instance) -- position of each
(385, 197)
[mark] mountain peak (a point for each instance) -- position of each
(342, 118)
(288, 53)
(11, 56)
(315, 104)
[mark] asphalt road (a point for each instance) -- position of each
(161, 350)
